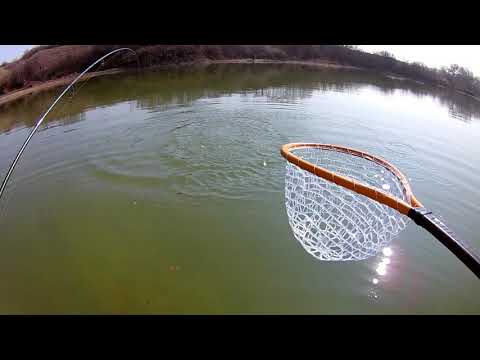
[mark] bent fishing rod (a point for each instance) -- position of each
(40, 121)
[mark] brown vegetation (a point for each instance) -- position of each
(49, 62)
(3, 75)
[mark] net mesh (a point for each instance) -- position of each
(332, 222)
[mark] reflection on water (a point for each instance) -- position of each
(68, 119)
(279, 83)
(163, 192)
(387, 251)
(382, 266)
(381, 272)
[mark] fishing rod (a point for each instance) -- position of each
(40, 121)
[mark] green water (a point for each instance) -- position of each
(163, 192)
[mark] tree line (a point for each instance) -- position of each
(49, 62)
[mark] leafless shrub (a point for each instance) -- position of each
(48, 62)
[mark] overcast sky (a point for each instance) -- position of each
(11, 52)
(431, 55)
(434, 55)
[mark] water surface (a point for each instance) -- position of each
(163, 192)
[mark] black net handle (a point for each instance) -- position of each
(459, 248)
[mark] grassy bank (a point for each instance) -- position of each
(21, 93)
(48, 66)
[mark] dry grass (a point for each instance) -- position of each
(49, 62)
(3, 77)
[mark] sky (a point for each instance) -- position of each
(434, 55)
(11, 52)
(431, 55)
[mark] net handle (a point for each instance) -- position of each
(349, 183)
(415, 210)
(459, 247)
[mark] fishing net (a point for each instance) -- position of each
(335, 223)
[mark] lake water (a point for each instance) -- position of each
(163, 192)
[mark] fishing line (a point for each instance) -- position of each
(57, 99)
(76, 88)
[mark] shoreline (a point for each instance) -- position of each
(52, 84)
